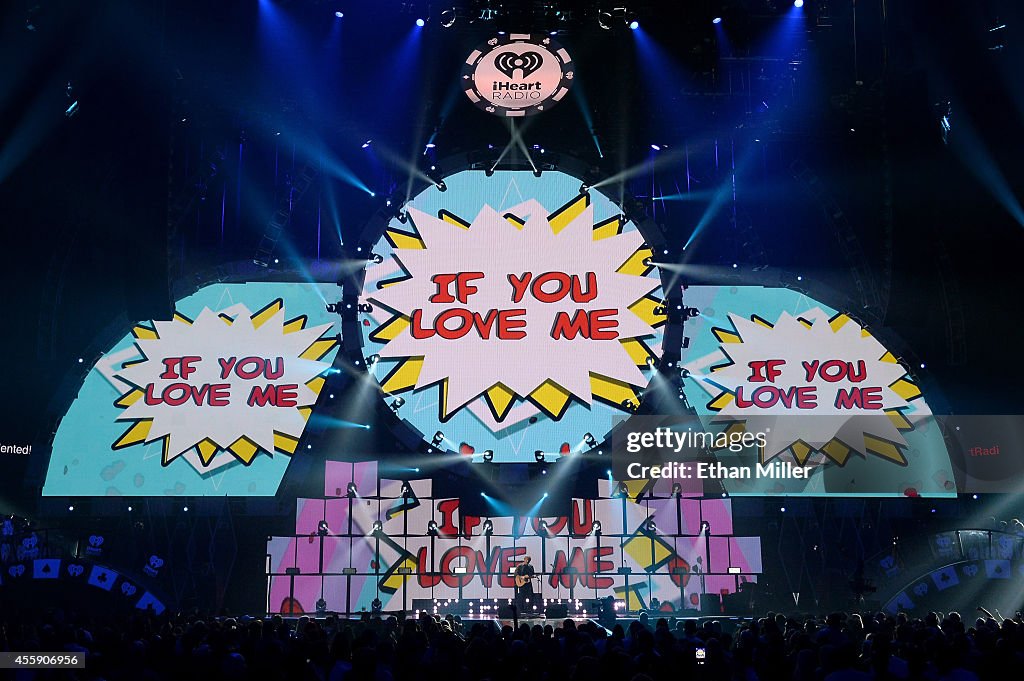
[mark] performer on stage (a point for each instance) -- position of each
(524, 575)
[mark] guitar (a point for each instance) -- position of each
(521, 580)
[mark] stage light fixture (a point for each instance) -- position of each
(651, 525)
(71, 508)
(488, 455)
(396, 404)
(604, 20)
(633, 25)
(406, 489)
(441, 186)
(798, 3)
(597, 528)
(716, 20)
(621, 491)
(677, 490)
(352, 491)
(432, 528)
(421, 23)
(378, 527)
(539, 456)
(339, 15)
(437, 439)
(448, 18)
(322, 529)
(656, 147)
(488, 528)
(589, 440)
(185, 509)
(705, 527)
(367, 143)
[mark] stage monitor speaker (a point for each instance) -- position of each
(711, 604)
(557, 610)
(505, 611)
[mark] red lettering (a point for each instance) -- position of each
(577, 293)
(425, 579)
(278, 370)
(258, 364)
(169, 372)
(582, 517)
(567, 328)
(861, 398)
(519, 285)
(462, 286)
(275, 395)
(601, 329)
(464, 555)
(560, 278)
(595, 565)
(186, 365)
(510, 328)
(448, 508)
(226, 363)
(509, 557)
(443, 281)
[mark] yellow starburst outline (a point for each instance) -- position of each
(243, 449)
(835, 450)
(550, 398)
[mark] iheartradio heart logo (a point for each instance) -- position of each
(466, 449)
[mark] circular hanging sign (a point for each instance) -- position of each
(517, 74)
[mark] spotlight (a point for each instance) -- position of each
(322, 529)
(378, 527)
(604, 20)
(597, 527)
(782, 509)
(539, 456)
(798, 3)
(406, 489)
(432, 528)
(71, 508)
(488, 529)
(633, 25)
(656, 147)
(448, 18)
(441, 186)
(352, 491)
(421, 23)
(589, 440)
(677, 490)
(375, 258)
(185, 509)
(488, 455)
(332, 308)
(396, 404)
(651, 525)
(437, 439)
(367, 143)
(705, 527)
(339, 14)
(621, 491)
(716, 20)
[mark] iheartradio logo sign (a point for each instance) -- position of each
(517, 74)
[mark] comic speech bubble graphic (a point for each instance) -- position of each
(231, 382)
(849, 392)
(521, 303)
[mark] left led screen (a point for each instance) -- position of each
(211, 402)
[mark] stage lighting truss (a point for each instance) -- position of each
(616, 16)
